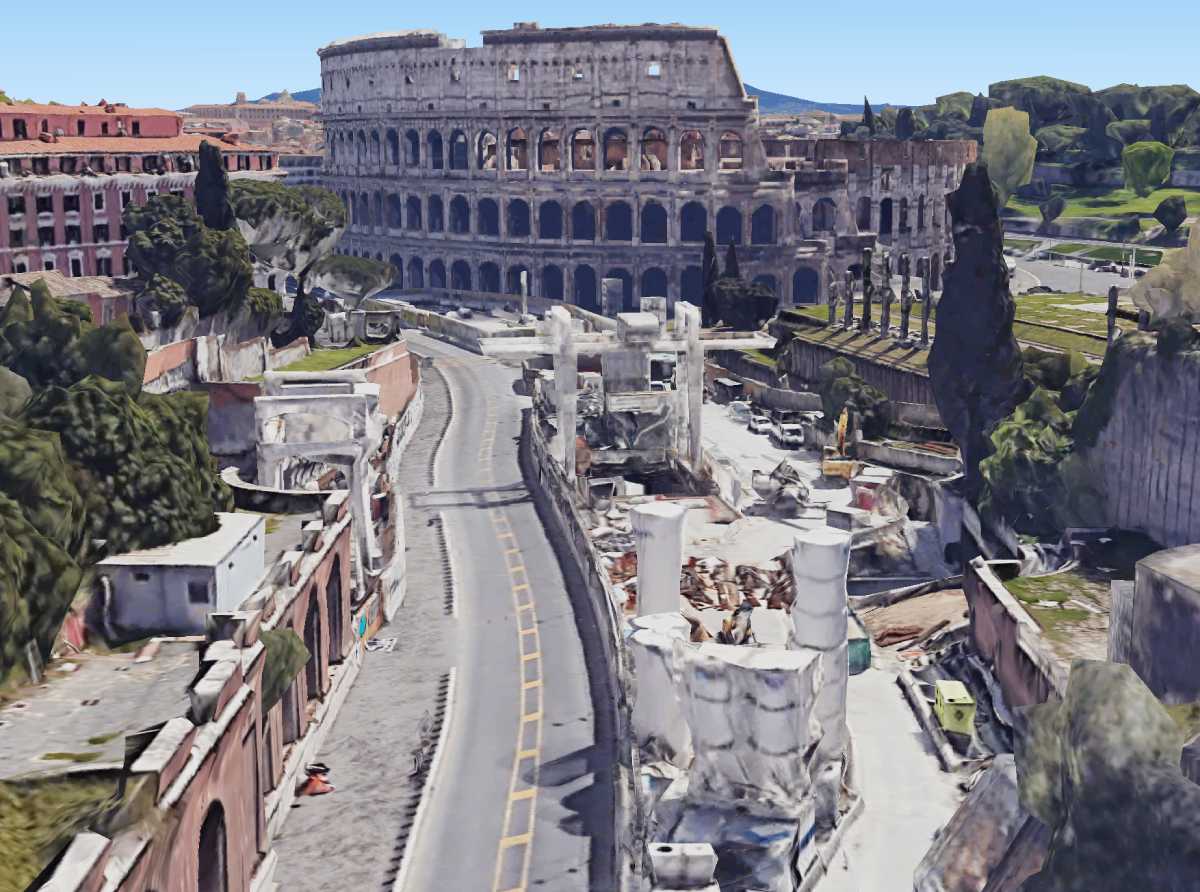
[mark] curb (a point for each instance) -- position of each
(946, 756)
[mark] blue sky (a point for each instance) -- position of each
(173, 54)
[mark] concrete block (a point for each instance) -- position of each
(688, 865)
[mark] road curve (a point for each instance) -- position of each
(523, 796)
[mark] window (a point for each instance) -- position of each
(16, 204)
(100, 232)
(19, 131)
(48, 264)
(45, 204)
(126, 197)
(68, 164)
(97, 164)
(141, 577)
(45, 235)
(104, 128)
(98, 201)
(16, 238)
(576, 74)
(514, 73)
(72, 234)
(76, 267)
(20, 267)
(104, 268)
(654, 70)
(79, 127)
(71, 202)
(198, 592)
(137, 128)
(41, 166)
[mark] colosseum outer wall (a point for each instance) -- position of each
(583, 153)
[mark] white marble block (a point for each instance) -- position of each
(658, 527)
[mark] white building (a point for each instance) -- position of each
(172, 589)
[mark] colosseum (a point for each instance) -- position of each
(577, 154)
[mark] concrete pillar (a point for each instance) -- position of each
(566, 381)
(689, 314)
(820, 558)
(658, 528)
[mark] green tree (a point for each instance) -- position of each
(1008, 150)
(868, 116)
(710, 270)
(212, 189)
(732, 270)
(840, 387)
(1147, 166)
(1171, 212)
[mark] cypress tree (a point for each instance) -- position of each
(731, 262)
(212, 189)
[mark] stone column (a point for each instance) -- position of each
(820, 558)
(927, 299)
(1113, 294)
(848, 310)
(566, 382)
(694, 373)
(524, 293)
(864, 323)
(658, 528)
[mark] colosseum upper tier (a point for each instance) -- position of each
(577, 154)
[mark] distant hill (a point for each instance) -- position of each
(303, 96)
(778, 104)
(768, 102)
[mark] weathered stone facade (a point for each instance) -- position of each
(577, 154)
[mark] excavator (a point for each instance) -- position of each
(834, 461)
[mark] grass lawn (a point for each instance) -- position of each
(1068, 248)
(325, 359)
(1104, 201)
(1021, 244)
(1078, 584)
(1120, 255)
(760, 356)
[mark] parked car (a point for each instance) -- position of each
(740, 411)
(787, 434)
(465, 313)
(758, 423)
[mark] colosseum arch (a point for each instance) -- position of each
(767, 280)
(517, 215)
(518, 149)
(485, 151)
(333, 146)
(583, 150)
(412, 148)
(437, 274)
(212, 857)
(616, 149)
(729, 226)
(552, 282)
(361, 149)
(583, 222)
(395, 215)
(489, 277)
(885, 218)
(393, 146)
(862, 216)
(487, 217)
(363, 208)
(618, 222)
(654, 223)
(691, 150)
(460, 276)
(585, 287)
(904, 215)
(654, 282)
(824, 215)
(806, 283)
(693, 222)
(654, 149)
(397, 263)
(416, 273)
(375, 154)
(512, 279)
(732, 157)
(433, 147)
(377, 209)
(458, 150)
(549, 151)
(412, 213)
(762, 226)
(460, 215)
(550, 220)
(434, 217)
(920, 213)
(691, 285)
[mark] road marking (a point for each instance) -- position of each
(535, 683)
(533, 656)
(523, 794)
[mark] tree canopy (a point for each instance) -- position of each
(1008, 150)
(1146, 165)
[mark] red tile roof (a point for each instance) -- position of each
(34, 108)
(117, 145)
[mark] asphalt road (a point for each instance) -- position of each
(524, 796)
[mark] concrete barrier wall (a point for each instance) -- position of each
(397, 373)
(553, 496)
(764, 395)
(908, 459)
(1008, 639)
(170, 364)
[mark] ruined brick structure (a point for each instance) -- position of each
(577, 154)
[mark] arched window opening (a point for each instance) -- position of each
(693, 222)
(550, 220)
(485, 151)
(862, 216)
(618, 222)
(416, 273)
(731, 151)
(552, 282)
(691, 285)
(434, 147)
(904, 215)
(762, 226)
(413, 213)
(489, 217)
(512, 279)
(885, 218)
(654, 149)
(393, 147)
(585, 287)
(806, 283)
(824, 215)
(412, 148)
(549, 151)
(460, 276)
(654, 224)
(654, 282)
(616, 149)
(437, 274)
(729, 226)
(375, 156)
(460, 215)
(435, 218)
(920, 213)
(394, 212)
(691, 150)
(397, 263)
(333, 594)
(583, 222)
(312, 641)
(518, 149)
(213, 856)
(626, 280)
(458, 150)
(489, 277)
(518, 218)
(583, 150)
